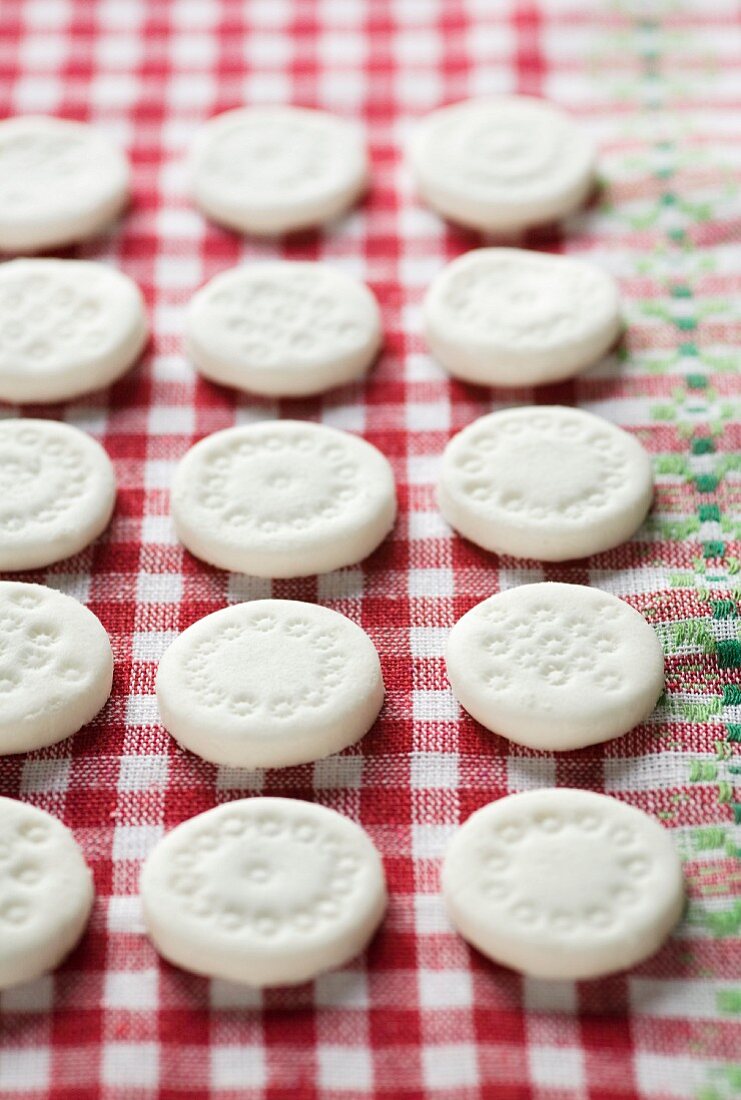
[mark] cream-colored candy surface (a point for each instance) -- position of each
(269, 170)
(270, 683)
(46, 892)
(56, 666)
(60, 182)
(563, 883)
(507, 317)
(67, 327)
(263, 891)
(555, 666)
(283, 498)
(57, 492)
(545, 482)
(503, 163)
(283, 329)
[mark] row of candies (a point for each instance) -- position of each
(286, 498)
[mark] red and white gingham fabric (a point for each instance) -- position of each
(420, 1015)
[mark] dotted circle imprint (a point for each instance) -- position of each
(264, 877)
(34, 161)
(66, 327)
(524, 300)
(287, 153)
(258, 498)
(45, 892)
(209, 666)
(42, 315)
(42, 476)
(56, 666)
(273, 169)
(502, 163)
(321, 863)
(265, 639)
(555, 666)
(497, 151)
(269, 462)
(563, 871)
(28, 875)
(270, 682)
(57, 492)
(515, 853)
(60, 181)
(487, 465)
(283, 327)
(548, 482)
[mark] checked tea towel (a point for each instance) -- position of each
(657, 83)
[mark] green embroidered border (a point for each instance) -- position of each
(700, 415)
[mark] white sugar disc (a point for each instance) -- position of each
(263, 891)
(46, 892)
(270, 683)
(502, 164)
(555, 666)
(60, 182)
(56, 666)
(507, 317)
(57, 492)
(563, 883)
(283, 498)
(545, 482)
(67, 327)
(270, 170)
(283, 329)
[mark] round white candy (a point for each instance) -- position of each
(271, 170)
(283, 498)
(264, 891)
(60, 182)
(507, 317)
(56, 666)
(283, 329)
(57, 492)
(270, 683)
(563, 883)
(545, 482)
(67, 327)
(502, 164)
(555, 666)
(46, 892)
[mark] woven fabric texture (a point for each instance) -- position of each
(657, 83)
